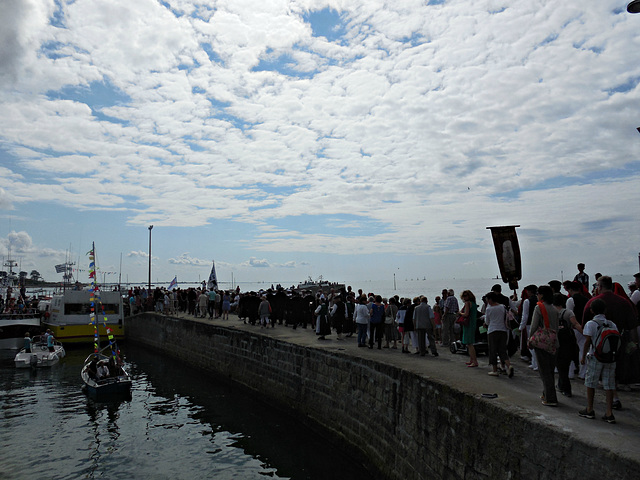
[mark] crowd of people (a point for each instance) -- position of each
(496, 324)
(20, 304)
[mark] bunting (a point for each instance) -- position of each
(95, 301)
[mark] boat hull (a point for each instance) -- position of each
(83, 333)
(112, 388)
(71, 321)
(106, 389)
(13, 329)
(39, 357)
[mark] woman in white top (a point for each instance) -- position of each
(495, 319)
(361, 316)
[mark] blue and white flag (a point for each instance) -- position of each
(62, 268)
(174, 283)
(212, 284)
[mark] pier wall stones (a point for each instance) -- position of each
(407, 426)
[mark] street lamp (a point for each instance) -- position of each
(634, 6)
(150, 228)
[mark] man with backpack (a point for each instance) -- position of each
(623, 313)
(602, 343)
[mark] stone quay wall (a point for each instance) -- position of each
(405, 426)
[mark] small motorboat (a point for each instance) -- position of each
(39, 356)
(103, 374)
(115, 383)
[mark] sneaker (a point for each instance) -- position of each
(435, 354)
(617, 405)
(493, 374)
(511, 372)
(585, 414)
(549, 404)
(609, 419)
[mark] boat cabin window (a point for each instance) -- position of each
(85, 309)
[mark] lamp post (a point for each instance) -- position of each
(150, 228)
(634, 6)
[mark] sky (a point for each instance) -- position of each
(350, 139)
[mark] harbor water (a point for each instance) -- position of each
(179, 423)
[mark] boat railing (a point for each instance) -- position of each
(18, 316)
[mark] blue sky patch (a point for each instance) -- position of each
(211, 53)
(57, 19)
(624, 87)
(52, 50)
(595, 177)
(282, 64)
(327, 23)
(348, 225)
(96, 96)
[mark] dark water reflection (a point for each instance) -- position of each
(178, 424)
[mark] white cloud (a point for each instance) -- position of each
(255, 262)
(431, 121)
(186, 259)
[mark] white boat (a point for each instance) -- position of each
(13, 327)
(39, 356)
(115, 381)
(70, 319)
(314, 285)
(15, 324)
(116, 384)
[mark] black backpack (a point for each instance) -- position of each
(565, 331)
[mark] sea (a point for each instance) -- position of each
(180, 423)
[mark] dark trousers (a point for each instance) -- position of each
(563, 363)
(362, 333)
(375, 332)
(546, 367)
(423, 335)
(422, 340)
(524, 350)
(497, 346)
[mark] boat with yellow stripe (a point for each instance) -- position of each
(70, 320)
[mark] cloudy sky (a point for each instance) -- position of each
(350, 139)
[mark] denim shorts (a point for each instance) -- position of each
(595, 369)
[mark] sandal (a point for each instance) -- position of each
(471, 365)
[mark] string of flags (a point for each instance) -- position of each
(94, 298)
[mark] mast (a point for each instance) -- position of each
(96, 304)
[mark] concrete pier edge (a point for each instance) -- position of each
(411, 417)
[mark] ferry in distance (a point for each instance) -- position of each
(70, 320)
(314, 285)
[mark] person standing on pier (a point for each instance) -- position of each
(595, 368)
(264, 309)
(582, 276)
(495, 319)
(361, 316)
(470, 311)
(623, 313)
(390, 331)
(376, 322)
(338, 315)
(449, 319)
(546, 316)
(322, 322)
(423, 320)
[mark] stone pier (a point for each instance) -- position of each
(411, 417)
